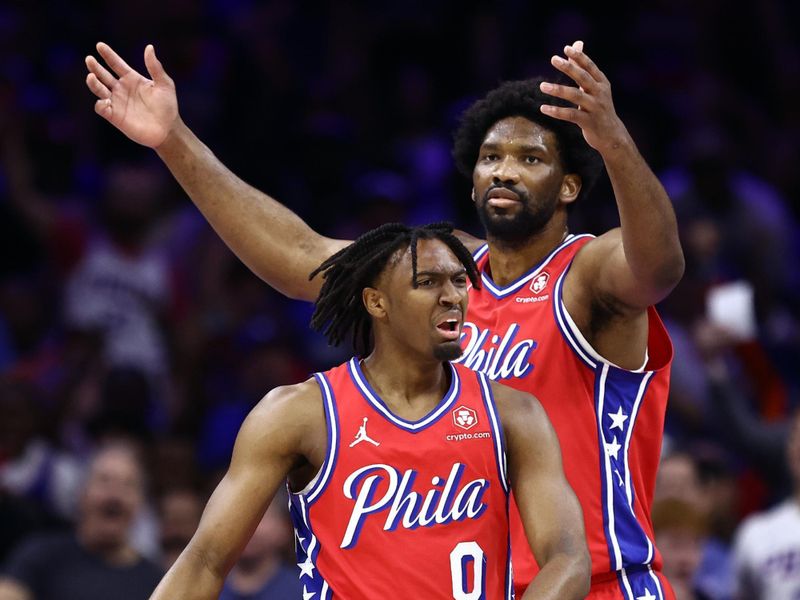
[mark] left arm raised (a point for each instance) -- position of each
(642, 261)
(550, 511)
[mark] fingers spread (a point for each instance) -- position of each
(577, 73)
(97, 87)
(565, 92)
(587, 64)
(573, 115)
(106, 78)
(113, 60)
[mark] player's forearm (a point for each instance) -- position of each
(649, 227)
(190, 578)
(564, 576)
(268, 237)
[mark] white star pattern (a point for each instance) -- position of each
(647, 595)
(618, 419)
(619, 477)
(306, 568)
(308, 595)
(613, 448)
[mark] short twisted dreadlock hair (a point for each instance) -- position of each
(524, 99)
(339, 312)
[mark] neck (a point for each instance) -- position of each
(408, 384)
(510, 261)
(249, 576)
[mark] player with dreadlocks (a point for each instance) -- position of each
(399, 463)
(339, 312)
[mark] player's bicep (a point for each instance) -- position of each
(602, 268)
(549, 509)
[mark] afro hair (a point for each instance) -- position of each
(524, 99)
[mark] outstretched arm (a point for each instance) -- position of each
(549, 509)
(269, 238)
(268, 446)
(640, 263)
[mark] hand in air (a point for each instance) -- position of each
(144, 109)
(594, 108)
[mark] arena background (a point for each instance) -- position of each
(344, 112)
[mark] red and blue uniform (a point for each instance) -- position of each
(406, 509)
(609, 420)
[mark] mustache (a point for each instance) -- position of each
(503, 186)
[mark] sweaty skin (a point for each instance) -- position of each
(285, 436)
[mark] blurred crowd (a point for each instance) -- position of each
(133, 343)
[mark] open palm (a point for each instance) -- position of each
(143, 109)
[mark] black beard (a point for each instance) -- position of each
(517, 229)
(447, 351)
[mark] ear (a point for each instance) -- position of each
(570, 188)
(473, 194)
(374, 301)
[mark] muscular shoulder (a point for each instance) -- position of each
(289, 416)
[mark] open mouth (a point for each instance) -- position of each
(449, 328)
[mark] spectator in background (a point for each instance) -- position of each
(123, 286)
(97, 561)
(767, 548)
(179, 510)
(261, 573)
(701, 486)
(680, 534)
(30, 467)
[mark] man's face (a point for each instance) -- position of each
(112, 496)
(272, 536)
(517, 179)
(427, 318)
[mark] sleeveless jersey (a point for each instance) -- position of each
(403, 509)
(609, 420)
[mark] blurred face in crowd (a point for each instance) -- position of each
(272, 536)
(682, 550)
(681, 531)
(180, 515)
(678, 478)
(111, 497)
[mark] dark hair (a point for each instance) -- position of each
(524, 99)
(339, 311)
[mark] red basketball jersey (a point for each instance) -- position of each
(609, 420)
(403, 509)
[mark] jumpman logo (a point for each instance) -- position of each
(362, 436)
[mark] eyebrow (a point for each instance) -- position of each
(523, 148)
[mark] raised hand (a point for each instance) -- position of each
(594, 109)
(144, 109)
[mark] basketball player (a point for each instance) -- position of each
(422, 511)
(567, 317)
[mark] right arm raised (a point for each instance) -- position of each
(269, 238)
(273, 440)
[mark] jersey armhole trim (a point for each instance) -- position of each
(497, 430)
(575, 338)
(317, 485)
